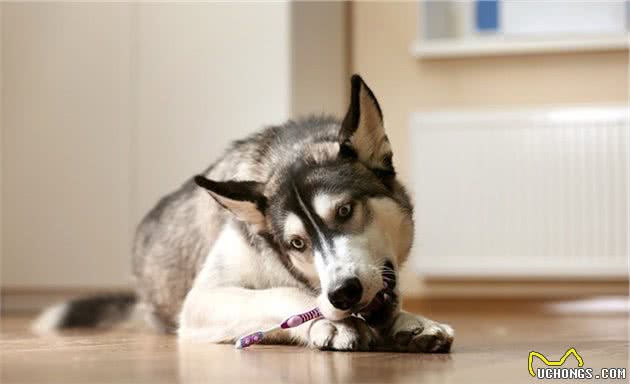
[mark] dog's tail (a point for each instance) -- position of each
(102, 311)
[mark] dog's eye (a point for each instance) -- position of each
(298, 243)
(344, 211)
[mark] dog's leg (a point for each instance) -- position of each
(222, 315)
(414, 333)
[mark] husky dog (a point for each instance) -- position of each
(305, 214)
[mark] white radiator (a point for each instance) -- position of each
(521, 193)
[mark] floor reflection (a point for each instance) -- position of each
(200, 362)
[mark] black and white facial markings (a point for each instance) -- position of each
(335, 230)
(336, 212)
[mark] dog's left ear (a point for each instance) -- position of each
(362, 133)
(244, 199)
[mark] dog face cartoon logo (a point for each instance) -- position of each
(570, 351)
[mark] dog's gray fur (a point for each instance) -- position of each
(213, 260)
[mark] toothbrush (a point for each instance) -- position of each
(291, 322)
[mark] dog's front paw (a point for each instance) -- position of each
(350, 334)
(412, 333)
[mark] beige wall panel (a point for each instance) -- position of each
(320, 53)
(65, 70)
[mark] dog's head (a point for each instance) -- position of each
(336, 212)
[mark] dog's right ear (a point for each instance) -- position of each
(244, 199)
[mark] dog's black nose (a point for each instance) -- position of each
(346, 294)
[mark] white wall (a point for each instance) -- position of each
(320, 57)
(203, 75)
(108, 107)
(65, 144)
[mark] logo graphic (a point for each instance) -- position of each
(570, 351)
(554, 369)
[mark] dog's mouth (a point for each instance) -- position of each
(380, 309)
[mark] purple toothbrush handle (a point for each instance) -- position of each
(302, 318)
(248, 340)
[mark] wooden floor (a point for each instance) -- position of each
(492, 345)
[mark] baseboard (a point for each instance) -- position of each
(521, 289)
